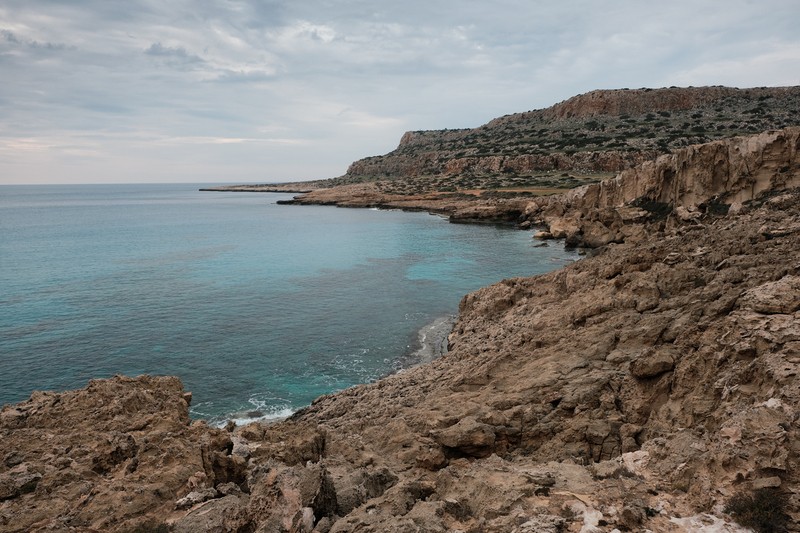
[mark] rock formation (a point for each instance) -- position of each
(640, 388)
(720, 175)
(600, 131)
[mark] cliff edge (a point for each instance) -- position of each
(598, 132)
(649, 386)
(685, 184)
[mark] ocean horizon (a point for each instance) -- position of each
(259, 308)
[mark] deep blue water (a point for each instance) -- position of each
(256, 306)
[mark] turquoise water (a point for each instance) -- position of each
(259, 308)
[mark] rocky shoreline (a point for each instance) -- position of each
(643, 388)
(458, 207)
(691, 180)
(433, 340)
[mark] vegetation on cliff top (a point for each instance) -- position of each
(580, 140)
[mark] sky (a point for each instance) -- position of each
(246, 91)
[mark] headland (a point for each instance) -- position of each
(650, 386)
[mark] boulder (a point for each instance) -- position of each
(653, 362)
(468, 437)
(775, 297)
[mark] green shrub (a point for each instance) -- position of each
(763, 510)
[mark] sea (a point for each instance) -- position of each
(258, 307)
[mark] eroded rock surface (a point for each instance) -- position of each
(636, 389)
(108, 457)
(677, 187)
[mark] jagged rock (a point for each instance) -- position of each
(781, 296)
(596, 234)
(468, 437)
(431, 458)
(195, 497)
(290, 443)
(357, 487)
(632, 516)
(653, 362)
(220, 515)
(105, 456)
(117, 449)
(726, 172)
(18, 483)
(279, 497)
(650, 380)
(564, 228)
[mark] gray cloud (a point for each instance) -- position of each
(278, 90)
(159, 50)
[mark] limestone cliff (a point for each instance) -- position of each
(694, 180)
(600, 131)
(640, 388)
(641, 101)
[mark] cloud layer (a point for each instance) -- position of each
(256, 91)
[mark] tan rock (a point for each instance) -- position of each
(781, 296)
(726, 172)
(653, 362)
(768, 482)
(623, 391)
(468, 437)
(562, 228)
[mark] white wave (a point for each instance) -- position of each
(432, 339)
(250, 417)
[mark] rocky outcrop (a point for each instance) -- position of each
(113, 456)
(645, 368)
(684, 185)
(458, 207)
(630, 390)
(637, 389)
(640, 101)
(404, 165)
(600, 131)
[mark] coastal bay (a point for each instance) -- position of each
(649, 386)
(259, 308)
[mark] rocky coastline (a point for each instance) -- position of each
(647, 387)
(458, 207)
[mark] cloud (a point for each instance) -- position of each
(230, 140)
(780, 65)
(178, 53)
(303, 88)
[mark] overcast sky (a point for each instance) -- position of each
(278, 90)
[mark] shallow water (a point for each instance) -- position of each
(259, 308)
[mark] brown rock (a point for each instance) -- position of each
(681, 379)
(107, 456)
(359, 486)
(563, 228)
(727, 172)
(195, 497)
(215, 516)
(781, 296)
(653, 362)
(18, 483)
(468, 437)
(431, 458)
